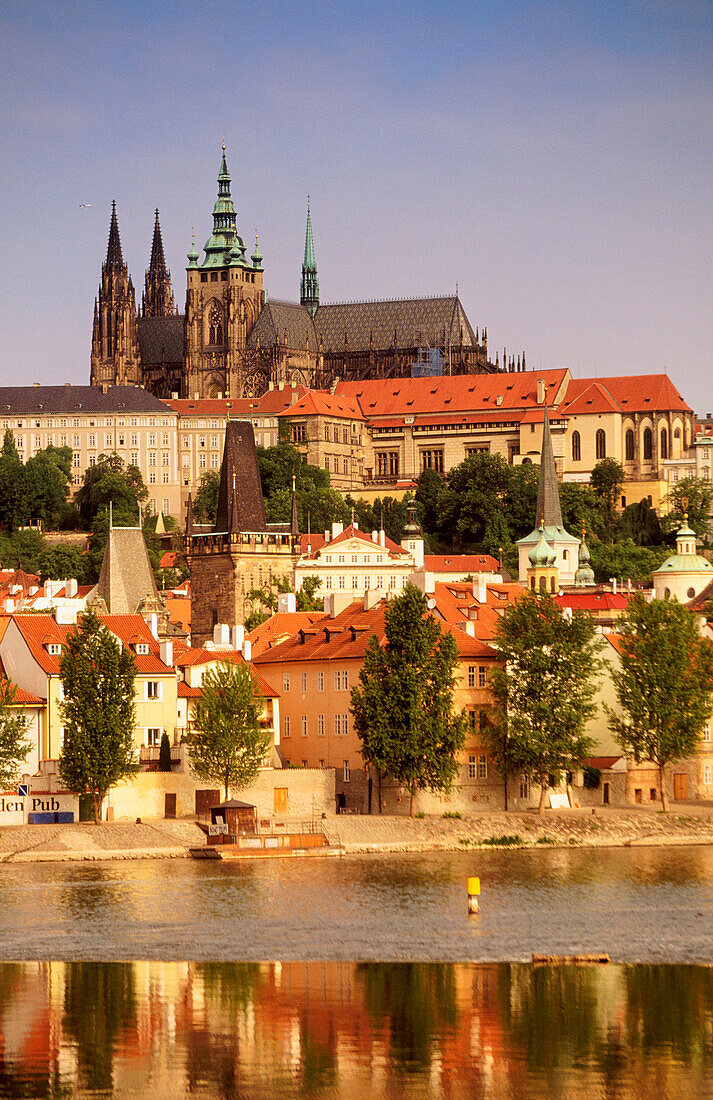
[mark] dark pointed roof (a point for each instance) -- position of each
(157, 267)
(126, 578)
(549, 512)
(161, 339)
(114, 257)
(240, 503)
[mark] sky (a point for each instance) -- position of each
(554, 160)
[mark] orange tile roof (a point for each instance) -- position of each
(320, 403)
(39, 630)
(269, 404)
(279, 627)
(588, 397)
(315, 541)
(453, 393)
(179, 611)
(169, 559)
(631, 392)
(461, 563)
(594, 601)
(353, 532)
(208, 656)
(185, 691)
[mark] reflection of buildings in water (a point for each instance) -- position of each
(491, 1030)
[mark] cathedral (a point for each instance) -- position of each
(231, 341)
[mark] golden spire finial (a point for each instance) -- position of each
(223, 142)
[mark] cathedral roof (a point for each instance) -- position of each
(281, 322)
(161, 339)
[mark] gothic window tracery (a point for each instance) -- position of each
(648, 444)
(215, 324)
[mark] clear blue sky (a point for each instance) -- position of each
(553, 159)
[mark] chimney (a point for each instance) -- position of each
(65, 616)
(281, 385)
(612, 581)
(221, 635)
(372, 597)
(152, 623)
(33, 590)
(335, 602)
(166, 650)
(425, 582)
(382, 537)
(480, 588)
(247, 650)
(8, 606)
(540, 391)
(238, 637)
(469, 627)
(337, 529)
(326, 536)
(70, 588)
(374, 536)
(174, 395)
(287, 602)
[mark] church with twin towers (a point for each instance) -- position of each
(233, 341)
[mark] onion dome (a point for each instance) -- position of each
(585, 574)
(257, 257)
(542, 553)
(193, 254)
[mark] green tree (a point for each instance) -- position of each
(402, 706)
(581, 507)
(664, 684)
(692, 497)
(205, 505)
(228, 744)
(625, 561)
(14, 743)
(45, 484)
(430, 487)
(640, 523)
(10, 480)
(164, 754)
(520, 503)
(110, 481)
(606, 479)
(97, 675)
(544, 691)
(475, 489)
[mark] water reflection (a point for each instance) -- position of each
(328, 1030)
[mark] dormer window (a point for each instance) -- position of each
(54, 649)
(142, 649)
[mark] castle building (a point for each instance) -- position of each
(231, 343)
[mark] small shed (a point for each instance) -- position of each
(240, 817)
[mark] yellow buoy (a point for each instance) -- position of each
(473, 894)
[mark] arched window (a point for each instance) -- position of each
(648, 445)
(601, 443)
(543, 584)
(664, 443)
(576, 447)
(215, 325)
(677, 433)
(552, 584)
(629, 446)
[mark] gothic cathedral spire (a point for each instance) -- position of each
(309, 285)
(157, 300)
(115, 345)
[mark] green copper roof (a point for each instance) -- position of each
(224, 248)
(585, 574)
(685, 563)
(309, 285)
(309, 261)
(542, 553)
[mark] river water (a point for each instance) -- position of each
(334, 978)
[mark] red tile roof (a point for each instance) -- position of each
(40, 630)
(453, 393)
(185, 691)
(169, 559)
(629, 392)
(594, 601)
(269, 404)
(353, 532)
(279, 627)
(315, 541)
(460, 563)
(208, 656)
(321, 403)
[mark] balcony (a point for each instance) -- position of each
(149, 754)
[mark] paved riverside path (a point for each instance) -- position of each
(685, 823)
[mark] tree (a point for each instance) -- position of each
(606, 479)
(164, 754)
(402, 706)
(692, 497)
(664, 684)
(544, 693)
(97, 675)
(205, 505)
(110, 481)
(640, 523)
(228, 745)
(430, 487)
(476, 488)
(625, 561)
(14, 743)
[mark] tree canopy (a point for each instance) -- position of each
(691, 497)
(402, 705)
(664, 684)
(14, 742)
(228, 744)
(606, 480)
(36, 490)
(111, 481)
(544, 691)
(98, 713)
(205, 505)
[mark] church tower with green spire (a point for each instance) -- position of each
(309, 284)
(224, 298)
(115, 359)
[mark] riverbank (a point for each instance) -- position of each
(685, 824)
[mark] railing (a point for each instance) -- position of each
(149, 754)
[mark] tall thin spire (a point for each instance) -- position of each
(309, 285)
(549, 512)
(157, 300)
(157, 266)
(114, 257)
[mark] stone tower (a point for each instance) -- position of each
(224, 297)
(157, 300)
(309, 284)
(115, 359)
(243, 551)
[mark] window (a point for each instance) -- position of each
(341, 725)
(342, 581)
(166, 506)
(664, 443)
(355, 582)
(303, 681)
(165, 478)
(303, 724)
(472, 767)
(215, 325)
(576, 447)
(152, 458)
(75, 460)
(473, 721)
(524, 786)
(601, 444)
(648, 445)
(320, 725)
(706, 734)
(629, 446)
(432, 460)
(134, 439)
(285, 725)
(153, 736)
(347, 774)
(482, 767)
(92, 460)
(134, 458)
(482, 676)
(321, 764)
(320, 681)
(387, 463)
(201, 461)
(54, 649)
(91, 441)
(142, 649)
(213, 441)
(707, 774)
(153, 689)
(214, 461)
(471, 676)
(164, 458)
(152, 439)
(285, 681)
(341, 680)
